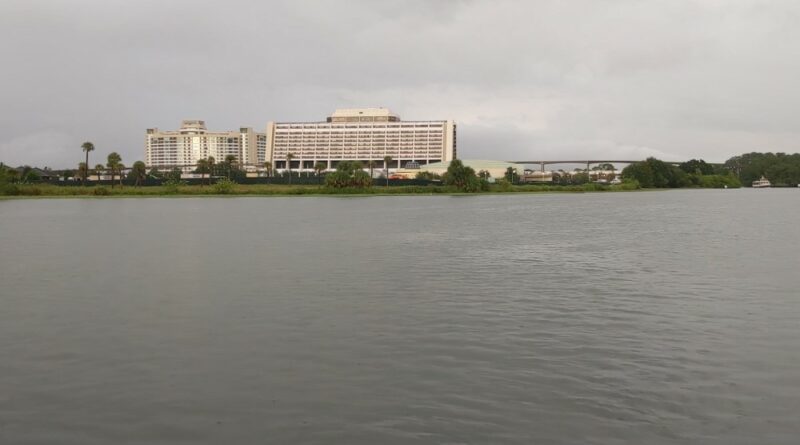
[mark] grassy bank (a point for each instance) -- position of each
(49, 190)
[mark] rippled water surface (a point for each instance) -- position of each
(653, 317)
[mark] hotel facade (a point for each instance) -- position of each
(192, 142)
(360, 134)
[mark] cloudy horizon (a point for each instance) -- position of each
(523, 80)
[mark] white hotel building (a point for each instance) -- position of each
(362, 134)
(183, 148)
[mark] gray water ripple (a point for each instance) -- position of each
(658, 317)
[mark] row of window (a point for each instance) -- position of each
(362, 139)
(190, 140)
(420, 143)
(363, 125)
(430, 141)
(363, 142)
(365, 158)
(312, 134)
(204, 144)
(364, 146)
(311, 154)
(356, 133)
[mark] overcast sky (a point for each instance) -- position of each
(524, 80)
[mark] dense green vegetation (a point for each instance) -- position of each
(697, 166)
(347, 175)
(780, 168)
(464, 178)
(227, 187)
(209, 167)
(653, 173)
(226, 177)
(25, 175)
(427, 176)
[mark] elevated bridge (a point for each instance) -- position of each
(589, 162)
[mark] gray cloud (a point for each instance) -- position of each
(537, 79)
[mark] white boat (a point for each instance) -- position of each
(761, 183)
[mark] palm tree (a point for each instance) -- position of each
(98, 170)
(139, 171)
(87, 147)
(114, 160)
(120, 168)
(211, 163)
(289, 157)
(83, 172)
(230, 160)
(319, 167)
(386, 161)
(202, 168)
(371, 165)
(268, 168)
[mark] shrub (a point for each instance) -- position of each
(504, 185)
(428, 176)
(337, 179)
(224, 186)
(627, 184)
(172, 186)
(30, 191)
(462, 177)
(348, 175)
(101, 191)
(9, 189)
(719, 181)
(653, 173)
(593, 187)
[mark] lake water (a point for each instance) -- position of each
(608, 318)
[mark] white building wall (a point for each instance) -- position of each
(361, 135)
(184, 147)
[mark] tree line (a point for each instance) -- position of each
(654, 173)
(780, 168)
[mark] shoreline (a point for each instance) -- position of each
(229, 189)
(49, 191)
(309, 195)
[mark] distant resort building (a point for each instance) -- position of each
(537, 176)
(360, 134)
(547, 176)
(495, 169)
(365, 135)
(192, 142)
